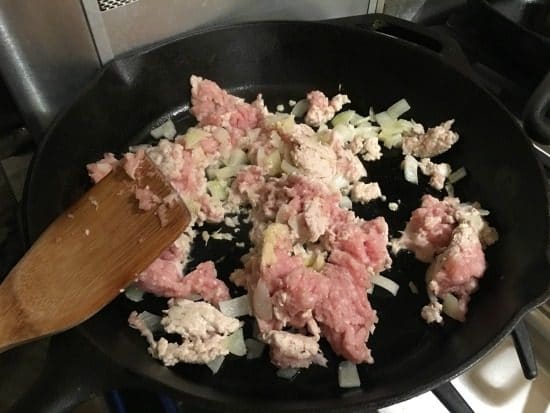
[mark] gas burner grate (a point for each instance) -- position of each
(105, 5)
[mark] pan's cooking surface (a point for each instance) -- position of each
(284, 61)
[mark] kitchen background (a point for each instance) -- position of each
(48, 53)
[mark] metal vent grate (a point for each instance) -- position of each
(112, 4)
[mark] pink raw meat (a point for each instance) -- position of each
(429, 230)
(164, 278)
(99, 170)
(212, 105)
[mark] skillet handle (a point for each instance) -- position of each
(73, 373)
(536, 117)
(439, 43)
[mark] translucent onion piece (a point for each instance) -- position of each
(300, 108)
(235, 343)
(348, 376)
(236, 307)
(457, 175)
(398, 108)
(215, 364)
(386, 283)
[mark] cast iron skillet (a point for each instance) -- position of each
(284, 60)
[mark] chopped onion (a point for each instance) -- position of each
(215, 364)
(280, 108)
(410, 168)
(450, 189)
(451, 307)
(133, 293)
(484, 212)
(370, 289)
(237, 157)
(346, 203)
(300, 108)
(193, 136)
(358, 120)
(288, 168)
(236, 307)
(392, 140)
(235, 343)
(413, 287)
(343, 118)
(384, 120)
(151, 321)
(288, 373)
(345, 131)
(261, 302)
(348, 376)
(457, 175)
(254, 348)
(218, 189)
(273, 163)
(166, 130)
(228, 172)
(398, 108)
(385, 283)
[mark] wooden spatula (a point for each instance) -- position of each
(87, 255)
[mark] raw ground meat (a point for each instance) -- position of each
(451, 237)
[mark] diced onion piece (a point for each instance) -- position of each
(451, 307)
(413, 287)
(218, 189)
(346, 203)
(237, 157)
(261, 302)
(410, 169)
(280, 108)
(484, 212)
(151, 321)
(224, 174)
(166, 130)
(457, 175)
(133, 293)
(272, 163)
(254, 348)
(392, 140)
(386, 283)
(288, 373)
(348, 376)
(358, 120)
(236, 307)
(384, 120)
(370, 289)
(288, 168)
(398, 108)
(193, 137)
(215, 364)
(343, 118)
(345, 131)
(211, 171)
(450, 189)
(300, 108)
(235, 343)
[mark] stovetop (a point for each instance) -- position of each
(497, 383)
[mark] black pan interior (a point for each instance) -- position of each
(284, 61)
